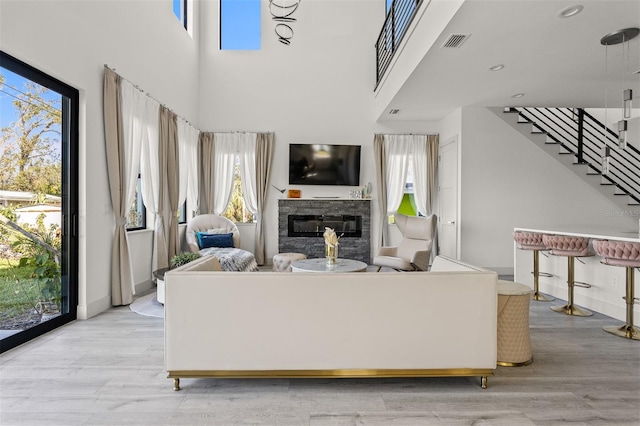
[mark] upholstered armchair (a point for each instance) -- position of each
(414, 251)
(213, 224)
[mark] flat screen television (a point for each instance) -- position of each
(322, 164)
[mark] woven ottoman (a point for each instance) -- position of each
(514, 342)
(282, 261)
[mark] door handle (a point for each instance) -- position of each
(451, 222)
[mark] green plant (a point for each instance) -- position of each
(47, 273)
(182, 259)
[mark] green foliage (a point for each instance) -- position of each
(182, 259)
(18, 291)
(29, 159)
(46, 272)
(36, 277)
(9, 212)
(235, 210)
(49, 235)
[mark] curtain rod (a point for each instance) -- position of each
(160, 103)
(239, 131)
(407, 134)
(149, 95)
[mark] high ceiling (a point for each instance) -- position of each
(554, 61)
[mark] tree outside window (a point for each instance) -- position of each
(236, 210)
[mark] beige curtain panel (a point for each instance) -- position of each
(121, 273)
(169, 163)
(205, 172)
(433, 142)
(381, 171)
(264, 156)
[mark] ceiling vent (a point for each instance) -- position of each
(455, 40)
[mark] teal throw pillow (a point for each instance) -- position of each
(214, 240)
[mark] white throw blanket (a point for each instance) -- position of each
(233, 259)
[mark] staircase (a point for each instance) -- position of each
(575, 139)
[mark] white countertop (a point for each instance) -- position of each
(600, 234)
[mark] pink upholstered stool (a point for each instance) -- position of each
(533, 241)
(626, 254)
(571, 247)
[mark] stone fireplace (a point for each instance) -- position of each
(301, 223)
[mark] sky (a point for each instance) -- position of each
(12, 87)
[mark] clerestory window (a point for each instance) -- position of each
(240, 24)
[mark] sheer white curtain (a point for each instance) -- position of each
(150, 179)
(131, 133)
(223, 159)
(188, 147)
(398, 148)
(247, 155)
(420, 173)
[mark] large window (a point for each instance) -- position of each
(137, 216)
(39, 213)
(180, 10)
(240, 24)
(236, 210)
(408, 204)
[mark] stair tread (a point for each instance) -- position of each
(601, 182)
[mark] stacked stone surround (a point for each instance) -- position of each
(350, 248)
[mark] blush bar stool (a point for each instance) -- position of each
(571, 247)
(533, 241)
(626, 254)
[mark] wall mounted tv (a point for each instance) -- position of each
(321, 164)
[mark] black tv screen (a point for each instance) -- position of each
(321, 164)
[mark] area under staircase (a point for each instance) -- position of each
(578, 140)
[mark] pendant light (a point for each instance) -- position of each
(621, 37)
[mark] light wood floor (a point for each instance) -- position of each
(109, 370)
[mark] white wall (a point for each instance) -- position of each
(72, 40)
(319, 89)
(507, 182)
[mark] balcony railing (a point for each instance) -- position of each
(395, 26)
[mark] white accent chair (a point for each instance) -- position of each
(414, 251)
(213, 224)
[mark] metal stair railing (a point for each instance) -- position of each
(582, 135)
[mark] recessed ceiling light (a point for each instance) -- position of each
(517, 95)
(497, 67)
(570, 11)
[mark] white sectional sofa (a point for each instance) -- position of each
(279, 324)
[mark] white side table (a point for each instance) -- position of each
(514, 343)
(159, 277)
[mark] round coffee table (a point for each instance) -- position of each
(321, 265)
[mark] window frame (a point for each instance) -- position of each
(70, 194)
(220, 30)
(184, 19)
(182, 219)
(142, 210)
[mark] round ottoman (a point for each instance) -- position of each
(282, 261)
(514, 343)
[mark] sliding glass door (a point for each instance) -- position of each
(38, 202)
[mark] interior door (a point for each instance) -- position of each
(448, 181)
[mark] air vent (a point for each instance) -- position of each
(455, 40)
(394, 111)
